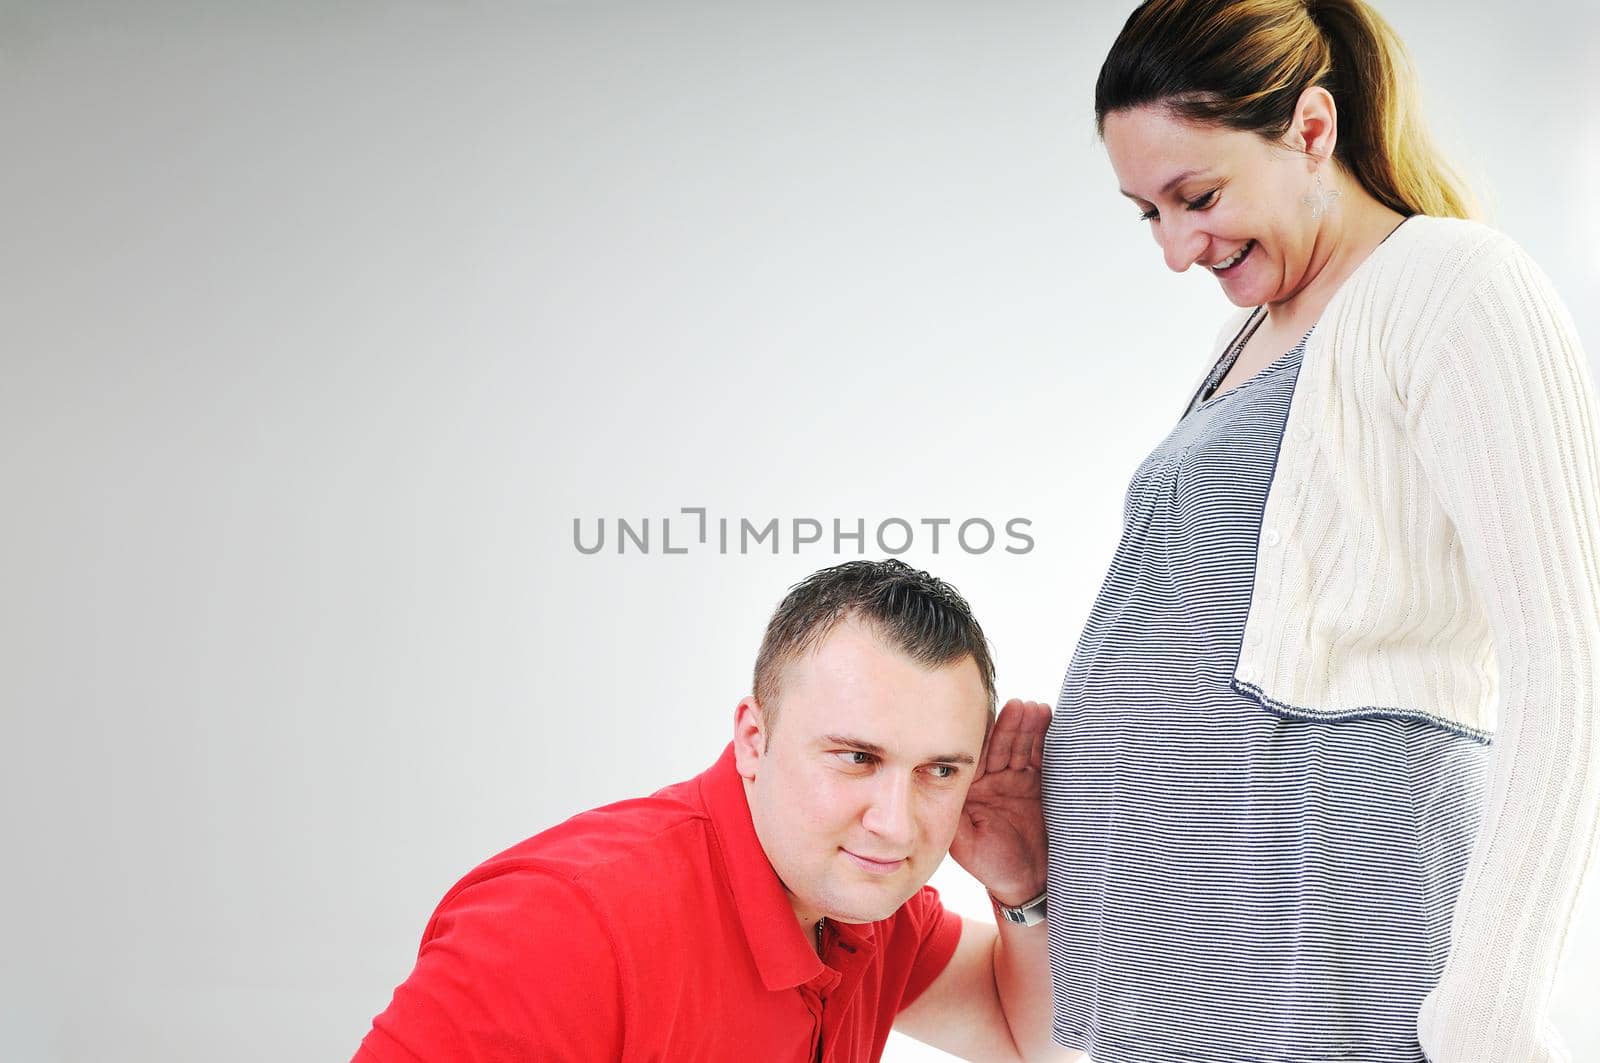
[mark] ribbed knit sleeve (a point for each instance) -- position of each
(1503, 416)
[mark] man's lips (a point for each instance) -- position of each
(876, 867)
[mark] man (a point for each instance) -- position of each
(774, 908)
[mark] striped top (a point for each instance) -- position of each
(1429, 550)
(1228, 884)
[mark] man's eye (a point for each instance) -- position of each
(855, 757)
(943, 771)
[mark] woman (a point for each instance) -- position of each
(1324, 773)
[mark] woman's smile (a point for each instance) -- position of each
(1233, 260)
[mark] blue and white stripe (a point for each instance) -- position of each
(1227, 885)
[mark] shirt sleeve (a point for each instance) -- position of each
(513, 966)
(1503, 415)
(940, 933)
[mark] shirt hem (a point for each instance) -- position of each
(1362, 712)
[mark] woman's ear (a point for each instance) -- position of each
(1314, 130)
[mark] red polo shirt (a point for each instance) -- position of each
(653, 929)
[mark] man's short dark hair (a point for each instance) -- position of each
(918, 614)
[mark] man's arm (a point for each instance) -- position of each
(993, 1000)
(966, 1012)
(516, 965)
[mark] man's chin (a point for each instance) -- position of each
(870, 905)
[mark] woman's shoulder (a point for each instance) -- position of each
(1430, 269)
(1449, 286)
(1426, 231)
(1449, 253)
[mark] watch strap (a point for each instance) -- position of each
(1028, 913)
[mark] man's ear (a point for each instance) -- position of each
(749, 736)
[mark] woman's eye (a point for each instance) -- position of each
(1204, 201)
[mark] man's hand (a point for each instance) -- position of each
(992, 1001)
(1001, 838)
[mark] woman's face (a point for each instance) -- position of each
(1208, 192)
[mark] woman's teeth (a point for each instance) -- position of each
(1233, 259)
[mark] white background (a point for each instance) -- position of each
(321, 322)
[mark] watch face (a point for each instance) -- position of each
(1031, 914)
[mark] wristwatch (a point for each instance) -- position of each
(1028, 913)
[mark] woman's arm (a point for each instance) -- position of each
(1504, 419)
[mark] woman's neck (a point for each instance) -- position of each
(1351, 232)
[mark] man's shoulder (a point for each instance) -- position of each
(603, 856)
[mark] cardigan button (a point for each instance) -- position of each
(1302, 433)
(1271, 537)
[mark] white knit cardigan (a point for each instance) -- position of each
(1430, 549)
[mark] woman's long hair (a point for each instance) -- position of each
(1244, 63)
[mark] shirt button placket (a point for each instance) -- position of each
(814, 1005)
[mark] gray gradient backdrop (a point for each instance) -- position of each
(322, 321)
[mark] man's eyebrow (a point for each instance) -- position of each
(1170, 185)
(854, 743)
(953, 758)
(878, 751)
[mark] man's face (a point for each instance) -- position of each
(857, 787)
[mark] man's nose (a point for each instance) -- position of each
(1181, 244)
(889, 815)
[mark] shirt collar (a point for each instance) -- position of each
(784, 958)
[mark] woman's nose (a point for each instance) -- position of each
(1181, 245)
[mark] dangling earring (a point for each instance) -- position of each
(1320, 199)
